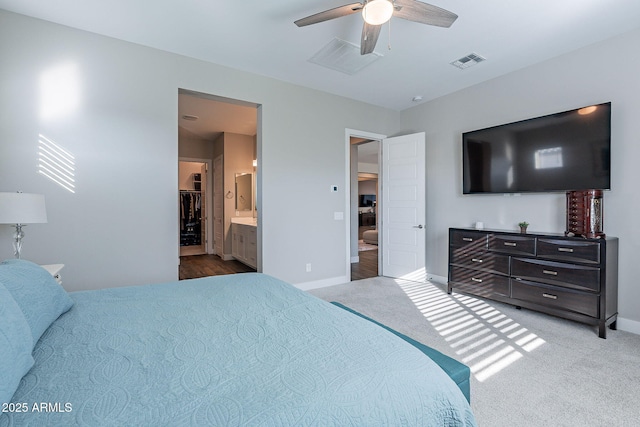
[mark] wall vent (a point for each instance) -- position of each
(468, 61)
(340, 55)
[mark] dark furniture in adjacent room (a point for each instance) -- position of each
(571, 277)
(367, 219)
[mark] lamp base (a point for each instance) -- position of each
(17, 240)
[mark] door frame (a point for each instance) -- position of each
(354, 133)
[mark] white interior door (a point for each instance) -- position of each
(403, 205)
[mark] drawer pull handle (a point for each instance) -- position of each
(510, 244)
(552, 273)
(565, 250)
(476, 280)
(550, 296)
(467, 239)
(476, 260)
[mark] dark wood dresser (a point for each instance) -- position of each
(570, 277)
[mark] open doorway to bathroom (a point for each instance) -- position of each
(217, 145)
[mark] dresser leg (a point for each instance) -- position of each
(602, 330)
(614, 325)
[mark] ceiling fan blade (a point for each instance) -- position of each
(336, 12)
(424, 13)
(369, 39)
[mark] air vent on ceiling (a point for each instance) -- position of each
(468, 61)
(340, 55)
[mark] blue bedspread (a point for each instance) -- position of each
(235, 350)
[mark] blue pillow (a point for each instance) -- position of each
(41, 299)
(15, 346)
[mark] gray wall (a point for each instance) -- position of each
(120, 227)
(592, 75)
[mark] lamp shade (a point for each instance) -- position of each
(22, 208)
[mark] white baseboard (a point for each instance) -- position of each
(628, 325)
(306, 286)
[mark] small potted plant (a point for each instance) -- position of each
(523, 226)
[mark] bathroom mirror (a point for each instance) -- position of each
(244, 196)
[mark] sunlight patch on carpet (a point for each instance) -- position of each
(482, 337)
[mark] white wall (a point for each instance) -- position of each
(599, 73)
(120, 227)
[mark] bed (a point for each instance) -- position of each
(244, 349)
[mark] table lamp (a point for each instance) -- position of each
(20, 209)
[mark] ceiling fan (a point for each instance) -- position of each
(377, 12)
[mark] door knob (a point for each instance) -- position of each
(418, 226)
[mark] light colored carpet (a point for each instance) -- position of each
(528, 368)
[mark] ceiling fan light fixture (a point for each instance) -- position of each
(377, 12)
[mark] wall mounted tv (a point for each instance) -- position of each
(559, 152)
(367, 200)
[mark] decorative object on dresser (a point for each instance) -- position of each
(20, 209)
(571, 277)
(584, 213)
(523, 226)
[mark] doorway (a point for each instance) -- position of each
(363, 163)
(365, 264)
(400, 209)
(195, 202)
(218, 138)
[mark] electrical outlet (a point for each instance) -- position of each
(308, 267)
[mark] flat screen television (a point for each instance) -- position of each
(367, 200)
(560, 152)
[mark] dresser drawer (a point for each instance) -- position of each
(557, 273)
(556, 297)
(481, 283)
(519, 245)
(570, 250)
(470, 239)
(484, 260)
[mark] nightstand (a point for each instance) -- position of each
(54, 270)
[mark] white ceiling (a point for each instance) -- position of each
(260, 36)
(215, 115)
